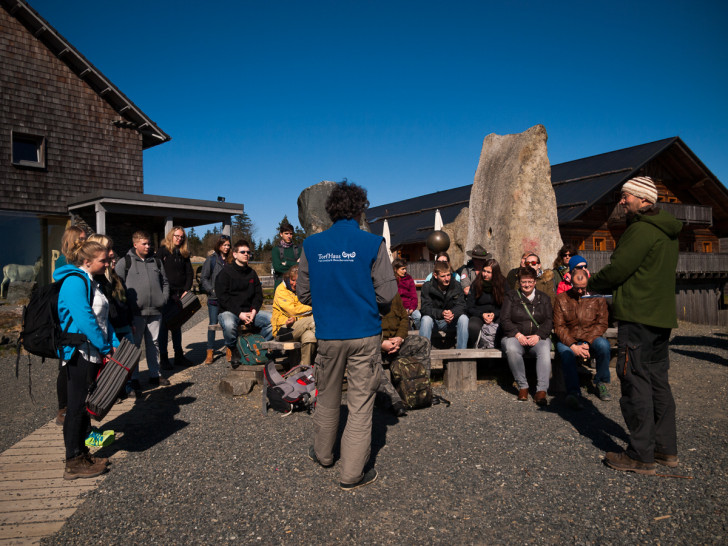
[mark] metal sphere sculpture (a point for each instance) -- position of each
(438, 241)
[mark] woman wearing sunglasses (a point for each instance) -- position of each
(544, 277)
(561, 263)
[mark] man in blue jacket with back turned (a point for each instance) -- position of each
(346, 275)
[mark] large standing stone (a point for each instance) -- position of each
(458, 232)
(512, 203)
(312, 213)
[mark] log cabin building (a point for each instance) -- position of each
(72, 142)
(587, 194)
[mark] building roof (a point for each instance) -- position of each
(578, 185)
(102, 86)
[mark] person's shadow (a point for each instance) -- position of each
(150, 420)
(381, 420)
(591, 423)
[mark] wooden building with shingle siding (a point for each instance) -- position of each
(69, 138)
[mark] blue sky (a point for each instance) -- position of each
(263, 99)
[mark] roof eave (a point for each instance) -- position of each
(152, 135)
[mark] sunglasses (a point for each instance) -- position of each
(244, 252)
(566, 255)
(532, 263)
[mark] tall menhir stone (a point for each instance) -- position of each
(512, 204)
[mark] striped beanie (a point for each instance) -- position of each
(641, 186)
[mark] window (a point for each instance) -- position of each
(600, 243)
(707, 246)
(29, 150)
(579, 244)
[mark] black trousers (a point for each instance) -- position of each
(77, 423)
(647, 404)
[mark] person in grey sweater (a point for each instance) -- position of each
(147, 291)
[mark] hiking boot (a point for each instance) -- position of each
(100, 439)
(210, 357)
(312, 456)
(522, 395)
(540, 398)
(603, 392)
(622, 461)
(573, 402)
(666, 460)
(399, 409)
(164, 363)
(234, 357)
(181, 360)
(60, 417)
(157, 381)
(82, 467)
(369, 477)
(98, 460)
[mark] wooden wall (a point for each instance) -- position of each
(84, 151)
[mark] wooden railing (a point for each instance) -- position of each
(691, 214)
(701, 263)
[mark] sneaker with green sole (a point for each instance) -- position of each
(100, 439)
(603, 392)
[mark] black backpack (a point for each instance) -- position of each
(41, 333)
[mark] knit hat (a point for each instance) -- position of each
(576, 260)
(641, 186)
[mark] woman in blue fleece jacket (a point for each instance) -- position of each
(83, 309)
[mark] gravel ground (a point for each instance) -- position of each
(485, 470)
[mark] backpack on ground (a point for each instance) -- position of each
(250, 347)
(112, 378)
(412, 383)
(294, 390)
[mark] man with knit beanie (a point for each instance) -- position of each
(641, 275)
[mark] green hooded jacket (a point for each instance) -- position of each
(641, 273)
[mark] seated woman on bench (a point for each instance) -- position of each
(292, 316)
(527, 320)
(483, 305)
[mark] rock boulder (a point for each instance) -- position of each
(512, 203)
(312, 213)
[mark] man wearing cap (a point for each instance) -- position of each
(468, 274)
(641, 275)
(580, 322)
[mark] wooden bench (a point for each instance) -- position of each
(461, 373)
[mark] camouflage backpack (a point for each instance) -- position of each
(412, 383)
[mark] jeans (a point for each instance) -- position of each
(416, 317)
(212, 311)
(230, 322)
(148, 327)
(164, 337)
(80, 373)
(514, 354)
(599, 349)
(461, 327)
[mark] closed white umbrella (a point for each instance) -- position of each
(387, 237)
(438, 220)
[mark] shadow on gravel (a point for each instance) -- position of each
(381, 420)
(701, 355)
(150, 421)
(699, 341)
(591, 423)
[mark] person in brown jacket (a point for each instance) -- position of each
(580, 321)
(397, 343)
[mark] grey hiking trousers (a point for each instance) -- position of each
(361, 358)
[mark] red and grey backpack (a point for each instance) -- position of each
(295, 390)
